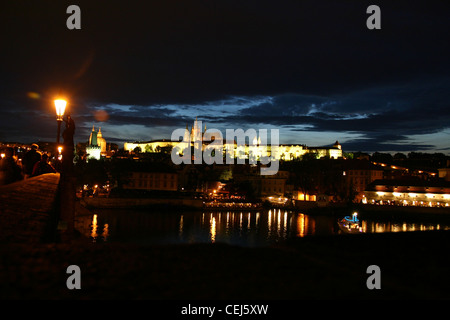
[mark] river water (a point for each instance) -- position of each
(237, 228)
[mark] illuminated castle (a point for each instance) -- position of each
(284, 152)
(96, 146)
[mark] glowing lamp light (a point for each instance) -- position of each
(60, 105)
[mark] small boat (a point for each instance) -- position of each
(350, 224)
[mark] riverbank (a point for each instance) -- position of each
(107, 203)
(309, 207)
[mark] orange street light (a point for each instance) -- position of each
(60, 105)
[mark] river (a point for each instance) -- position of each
(237, 228)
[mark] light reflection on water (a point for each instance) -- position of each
(94, 230)
(234, 227)
(378, 227)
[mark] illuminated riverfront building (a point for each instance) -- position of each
(359, 174)
(411, 192)
(284, 152)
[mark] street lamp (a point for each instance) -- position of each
(59, 153)
(60, 108)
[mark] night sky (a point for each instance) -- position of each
(312, 69)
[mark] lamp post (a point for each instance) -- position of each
(66, 184)
(60, 105)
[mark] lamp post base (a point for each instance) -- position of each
(67, 194)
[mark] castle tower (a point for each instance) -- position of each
(93, 149)
(186, 138)
(337, 145)
(101, 142)
(196, 132)
(93, 138)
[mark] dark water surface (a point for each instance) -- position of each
(234, 227)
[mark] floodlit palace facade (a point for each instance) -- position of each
(285, 152)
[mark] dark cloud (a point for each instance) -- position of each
(409, 109)
(147, 121)
(373, 145)
(385, 142)
(323, 69)
(385, 115)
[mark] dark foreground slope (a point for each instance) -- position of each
(413, 265)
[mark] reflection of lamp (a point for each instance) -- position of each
(60, 108)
